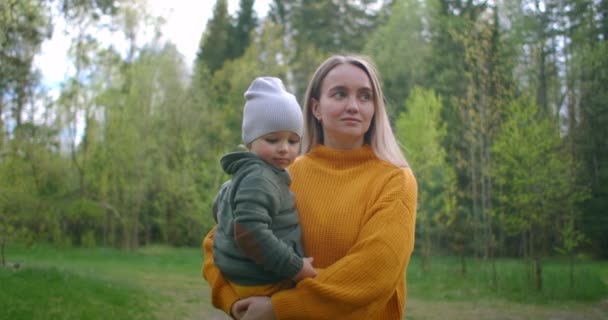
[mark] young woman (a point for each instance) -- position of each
(356, 196)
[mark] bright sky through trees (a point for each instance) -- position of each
(185, 23)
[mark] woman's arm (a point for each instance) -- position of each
(222, 294)
(372, 270)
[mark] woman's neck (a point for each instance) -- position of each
(342, 144)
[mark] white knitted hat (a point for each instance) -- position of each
(269, 108)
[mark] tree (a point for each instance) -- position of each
(313, 30)
(587, 118)
(403, 35)
(215, 44)
(246, 23)
(25, 25)
(534, 187)
(420, 131)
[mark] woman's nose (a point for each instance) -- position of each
(353, 105)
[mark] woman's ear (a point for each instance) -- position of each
(315, 108)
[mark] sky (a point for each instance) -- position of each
(186, 20)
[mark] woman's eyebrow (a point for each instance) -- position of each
(338, 87)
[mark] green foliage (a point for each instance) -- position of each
(420, 132)
(313, 31)
(404, 35)
(25, 25)
(538, 195)
(215, 44)
(128, 154)
(31, 185)
(246, 23)
(590, 136)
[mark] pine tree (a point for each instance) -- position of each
(214, 47)
(246, 22)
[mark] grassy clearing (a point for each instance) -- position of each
(160, 282)
(153, 282)
(53, 294)
(446, 283)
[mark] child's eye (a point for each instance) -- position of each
(271, 140)
(294, 141)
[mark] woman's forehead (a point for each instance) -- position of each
(347, 75)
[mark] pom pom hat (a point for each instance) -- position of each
(269, 108)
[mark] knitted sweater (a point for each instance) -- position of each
(358, 216)
(258, 238)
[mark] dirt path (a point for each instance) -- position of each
(500, 310)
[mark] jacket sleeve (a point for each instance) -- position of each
(216, 202)
(255, 203)
(354, 282)
(222, 294)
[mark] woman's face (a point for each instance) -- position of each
(345, 107)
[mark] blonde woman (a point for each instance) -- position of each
(356, 196)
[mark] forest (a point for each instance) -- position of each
(501, 108)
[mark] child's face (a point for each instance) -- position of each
(278, 148)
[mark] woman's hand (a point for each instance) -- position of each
(238, 310)
(253, 308)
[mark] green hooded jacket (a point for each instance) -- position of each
(258, 236)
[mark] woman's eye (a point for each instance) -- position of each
(340, 94)
(365, 97)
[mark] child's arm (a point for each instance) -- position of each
(216, 202)
(255, 202)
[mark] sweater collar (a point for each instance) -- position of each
(342, 158)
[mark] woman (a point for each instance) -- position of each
(357, 198)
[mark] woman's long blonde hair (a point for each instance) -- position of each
(379, 135)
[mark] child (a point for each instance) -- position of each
(257, 244)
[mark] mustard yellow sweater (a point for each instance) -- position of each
(358, 216)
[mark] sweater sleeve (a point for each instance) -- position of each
(384, 244)
(222, 294)
(255, 202)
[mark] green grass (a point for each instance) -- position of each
(446, 282)
(52, 294)
(160, 282)
(102, 283)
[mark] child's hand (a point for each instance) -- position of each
(307, 271)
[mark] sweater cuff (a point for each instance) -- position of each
(294, 266)
(287, 304)
(224, 299)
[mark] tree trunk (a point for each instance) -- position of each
(147, 234)
(474, 197)
(541, 94)
(538, 273)
(463, 264)
(2, 258)
(112, 231)
(135, 231)
(426, 251)
(126, 235)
